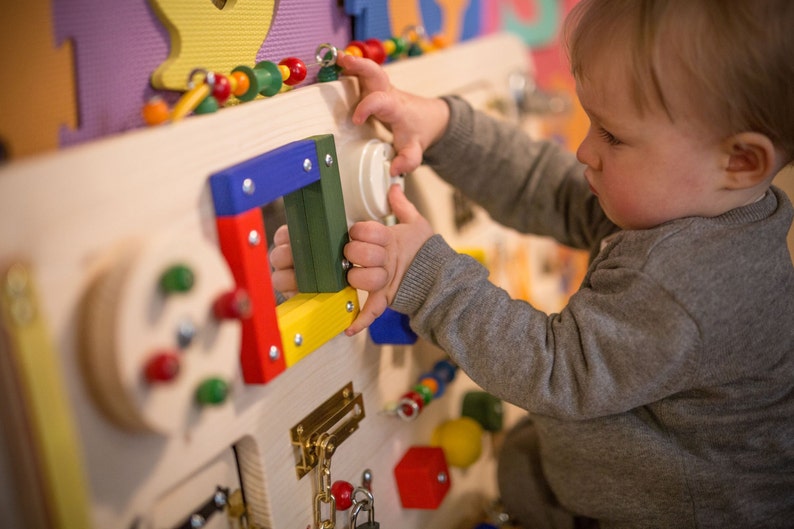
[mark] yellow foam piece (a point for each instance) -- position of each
(38, 80)
(205, 36)
(316, 318)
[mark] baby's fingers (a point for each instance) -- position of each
(374, 306)
(369, 279)
(281, 257)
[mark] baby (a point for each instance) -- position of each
(662, 395)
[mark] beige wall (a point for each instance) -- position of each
(785, 180)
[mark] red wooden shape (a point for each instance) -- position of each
(261, 350)
(422, 477)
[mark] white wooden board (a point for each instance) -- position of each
(71, 214)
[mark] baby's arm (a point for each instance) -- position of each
(382, 255)
(416, 122)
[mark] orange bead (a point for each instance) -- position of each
(354, 50)
(155, 111)
(241, 83)
(439, 42)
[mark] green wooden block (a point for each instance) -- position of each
(300, 240)
(318, 225)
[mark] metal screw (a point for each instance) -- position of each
(350, 306)
(298, 340)
(254, 238)
(197, 521)
(442, 477)
(220, 499)
(185, 333)
(307, 165)
(274, 353)
(366, 479)
(346, 265)
(248, 186)
(329, 160)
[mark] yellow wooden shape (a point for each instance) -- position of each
(307, 321)
(210, 37)
(38, 80)
(52, 436)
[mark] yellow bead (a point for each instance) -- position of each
(285, 72)
(461, 440)
(389, 47)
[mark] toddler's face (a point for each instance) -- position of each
(644, 168)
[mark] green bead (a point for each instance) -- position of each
(212, 391)
(269, 78)
(177, 278)
(328, 73)
(415, 50)
(424, 391)
(399, 46)
(207, 106)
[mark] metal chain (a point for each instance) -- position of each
(325, 447)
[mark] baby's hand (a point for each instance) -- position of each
(283, 276)
(382, 255)
(416, 122)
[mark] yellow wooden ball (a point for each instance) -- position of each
(461, 440)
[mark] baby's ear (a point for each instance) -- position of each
(751, 159)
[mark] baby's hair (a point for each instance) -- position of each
(730, 61)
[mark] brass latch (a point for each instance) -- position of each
(338, 416)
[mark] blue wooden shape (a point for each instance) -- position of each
(392, 328)
(273, 174)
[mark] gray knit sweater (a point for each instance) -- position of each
(663, 392)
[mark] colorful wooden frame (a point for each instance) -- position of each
(306, 174)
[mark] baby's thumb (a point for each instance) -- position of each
(402, 208)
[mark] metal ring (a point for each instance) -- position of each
(368, 502)
(209, 77)
(418, 30)
(322, 51)
(412, 404)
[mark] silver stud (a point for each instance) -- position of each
(329, 160)
(248, 186)
(254, 238)
(307, 165)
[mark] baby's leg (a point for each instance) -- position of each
(525, 494)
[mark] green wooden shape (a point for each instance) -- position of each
(316, 214)
(300, 241)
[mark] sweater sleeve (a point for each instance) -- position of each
(621, 342)
(531, 186)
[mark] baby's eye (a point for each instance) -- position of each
(608, 137)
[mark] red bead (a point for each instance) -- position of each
(376, 50)
(342, 492)
(163, 366)
(221, 89)
(233, 305)
(297, 70)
